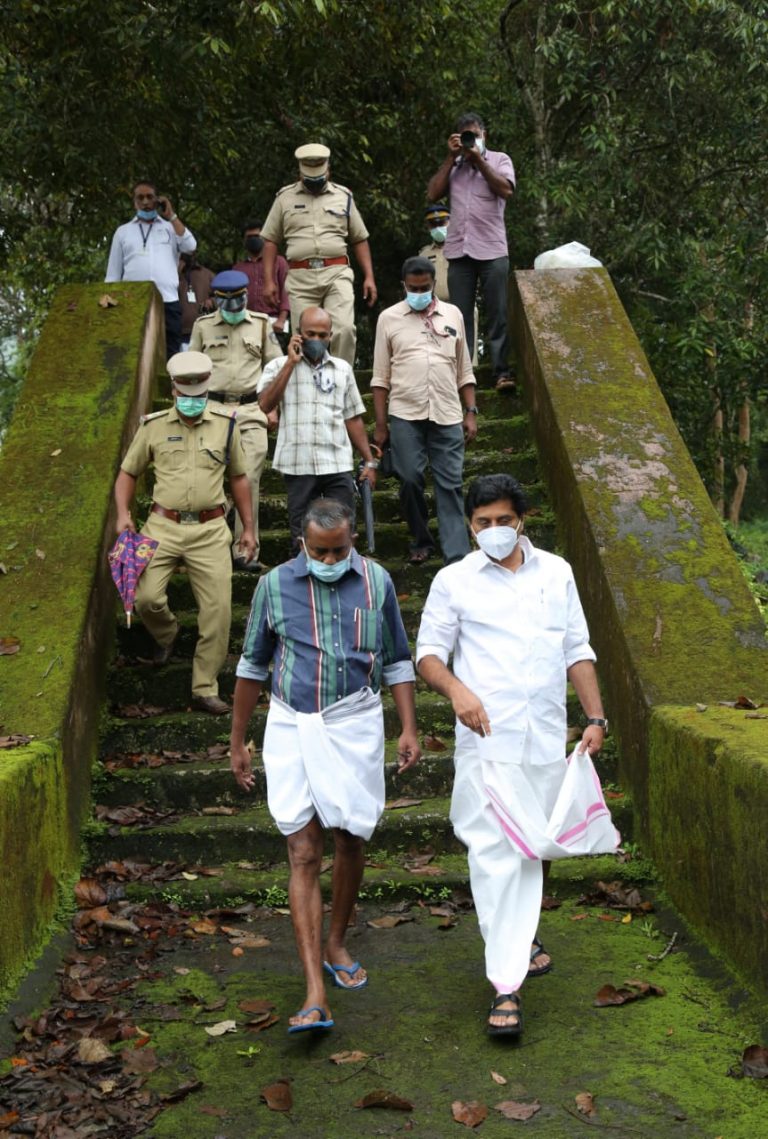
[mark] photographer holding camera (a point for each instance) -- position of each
(147, 248)
(479, 182)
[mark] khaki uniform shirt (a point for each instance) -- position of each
(190, 459)
(314, 225)
(238, 353)
(422, 367)
(434, 253)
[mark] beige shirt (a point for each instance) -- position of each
(314, 225)
(238, 353)
(434, 253)
(190, 459)
(422, 369)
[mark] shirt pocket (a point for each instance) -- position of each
(170, 456)
(367, 636)
(210, 457)
(252, 346)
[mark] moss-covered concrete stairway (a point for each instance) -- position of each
(161, 759)
(183, 929)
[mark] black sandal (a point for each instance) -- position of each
(537, 947)
(506, 1029)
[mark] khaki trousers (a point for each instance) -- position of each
(331, 288)
(203, 547)
(253, 436)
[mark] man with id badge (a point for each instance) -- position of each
(421, 376)
(147, 248)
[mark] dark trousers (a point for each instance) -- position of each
(302, 489)
(414, 443)
(172, 328)
(464, 274)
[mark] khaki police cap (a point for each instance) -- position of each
(190, 372)
(313, 158)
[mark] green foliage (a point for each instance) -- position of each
(636, 126)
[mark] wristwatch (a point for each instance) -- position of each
(372, 464)
(599, 722)
(470, 410)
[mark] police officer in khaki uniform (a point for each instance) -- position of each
(191, 445)
(318, 220)
(239, 344)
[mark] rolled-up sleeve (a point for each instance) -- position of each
(115, 262)
(382, 355)
(397, 666)
(260, 638)
(186, 242)
(577, 646)
(439, 623)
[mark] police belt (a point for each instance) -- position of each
(187, 516)
(230, 397)
(318, 262)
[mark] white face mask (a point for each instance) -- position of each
(498, 542)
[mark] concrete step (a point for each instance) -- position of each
(206, 783)
(251, 834)
(188, 730)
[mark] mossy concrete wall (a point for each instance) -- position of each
(670, 613)
(91, 376)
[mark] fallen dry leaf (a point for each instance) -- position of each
(433, 743)
(237, 951)
(40, 554)
(204, 926)
(512, 1109)
(90, 1050)
(221, 1028)
(139, 1062)
(498, 1078)
(208, 1109)
(254, 1006)
(348, 1057)
(470, 1114)
(585, 1103)
(220, 811)
(261, 1021)
(278, 1096)
(383, 1098)
(631, 991)
(89, 893)
(56, 453)
(9, 646)
(106, 301)
(389, 921)
(400, 804)
(754, 1062)
(15, 740)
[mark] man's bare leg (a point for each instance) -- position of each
(305, 853)
(348, 866)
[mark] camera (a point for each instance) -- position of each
(468, 139)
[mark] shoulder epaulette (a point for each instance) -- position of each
(207, 315)
(222, 411)
(344, 189)
(290, 186)
(260, 315)
(154, 415)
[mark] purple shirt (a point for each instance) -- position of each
(477, 214)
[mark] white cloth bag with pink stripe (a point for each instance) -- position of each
(580, 822)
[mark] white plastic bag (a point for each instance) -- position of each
(574, 255)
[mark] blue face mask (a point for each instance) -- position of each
(146, 215)
(190, 405)
(328, 573)
(439, 233)
(419, 301)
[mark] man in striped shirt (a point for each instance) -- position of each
(328, 624)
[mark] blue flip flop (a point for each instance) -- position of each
(334, 971)
(313, 1025)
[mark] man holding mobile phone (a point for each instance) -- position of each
(321, 420)
(479, 182)
(148, 248)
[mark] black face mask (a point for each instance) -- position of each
(315, 184)
(254, 244)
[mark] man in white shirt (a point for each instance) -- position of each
(321, 420)
(147, 248)
(511, 616)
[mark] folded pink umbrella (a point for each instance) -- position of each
(128, 559)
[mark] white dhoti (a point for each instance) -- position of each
(329, 764)
(510, 816)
